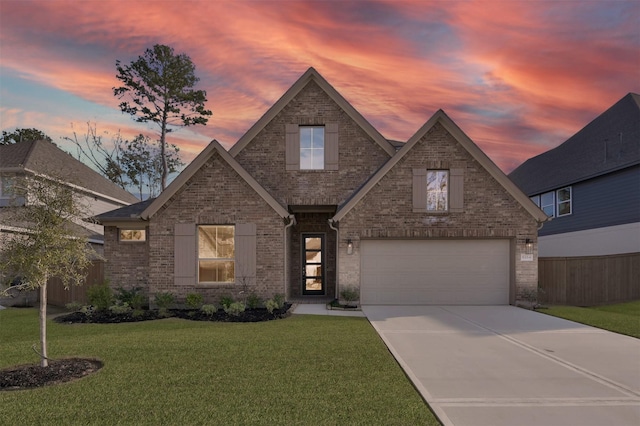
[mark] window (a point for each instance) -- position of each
(563, 197)
(311, 148)
(216, 254)
(133, 235)
(555, 203)
(437, 190)
(547, 203)
(6, 187)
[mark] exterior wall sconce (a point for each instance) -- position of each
(528, 246)
(349, 246)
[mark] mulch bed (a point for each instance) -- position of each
(108, 317)
(59, 371)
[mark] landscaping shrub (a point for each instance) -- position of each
(350, 294)
(279, 299)
(209, 309)
(253, 301)
(164, 300)
(226, 301)
(194, 300)
(271, 305)
(235, 308)
(120, 308)
(100, 296)
(132, 297)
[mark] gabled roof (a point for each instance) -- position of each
(196, 164)
(311, 75)
(44, 158)
(608, 143)
(468, 144)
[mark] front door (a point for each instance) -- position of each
(313, 274)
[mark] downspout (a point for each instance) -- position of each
(292, 221)
(331, 222)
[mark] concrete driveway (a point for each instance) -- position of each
(501, 365)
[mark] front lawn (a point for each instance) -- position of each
(623, 318)
(300, 370)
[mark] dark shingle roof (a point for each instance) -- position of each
(131, 212)
(45, 158)
(610, 142)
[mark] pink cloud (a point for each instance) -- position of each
(519, 77)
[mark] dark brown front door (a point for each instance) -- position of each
(313, 271)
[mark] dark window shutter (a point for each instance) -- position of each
(419, 190)
(245, 249)
(331, 146)
(456, 188)
(292, 147)
(185, 254)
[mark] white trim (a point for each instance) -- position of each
(592, 242)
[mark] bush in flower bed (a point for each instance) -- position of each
(120, 312)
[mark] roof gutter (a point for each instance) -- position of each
(332, 224)
(292, 221)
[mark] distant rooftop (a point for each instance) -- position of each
(608, 143)
(45, 158)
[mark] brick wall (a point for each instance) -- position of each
(127, 264)
(359, 155)
(217, 195)
(489, 210)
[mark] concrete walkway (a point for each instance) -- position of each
(501, 365)
(321, 309)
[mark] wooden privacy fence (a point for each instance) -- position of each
(57, 295)
(589, 281)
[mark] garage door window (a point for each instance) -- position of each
(437, 190)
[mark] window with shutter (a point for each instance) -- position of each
(311, 147)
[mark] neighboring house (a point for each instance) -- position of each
(313, 198)
(44, 159)
(590, 186)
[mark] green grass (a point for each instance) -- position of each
(623, 318)
(300, 370)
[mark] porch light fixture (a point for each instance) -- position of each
(528, 246)
(349, 246)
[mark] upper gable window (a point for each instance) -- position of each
(311, 148)
(437, 190)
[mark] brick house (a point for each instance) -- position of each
(313, 198)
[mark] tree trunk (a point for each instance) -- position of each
(44, 361)
(163, 154)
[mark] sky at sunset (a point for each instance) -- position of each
(519, 77)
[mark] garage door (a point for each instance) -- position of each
(435, 272)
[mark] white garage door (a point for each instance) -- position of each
(435, 272)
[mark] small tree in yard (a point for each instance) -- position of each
(50, 245)
(158, 88)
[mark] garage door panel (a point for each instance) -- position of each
(435, 272)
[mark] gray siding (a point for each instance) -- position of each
(608, 200)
